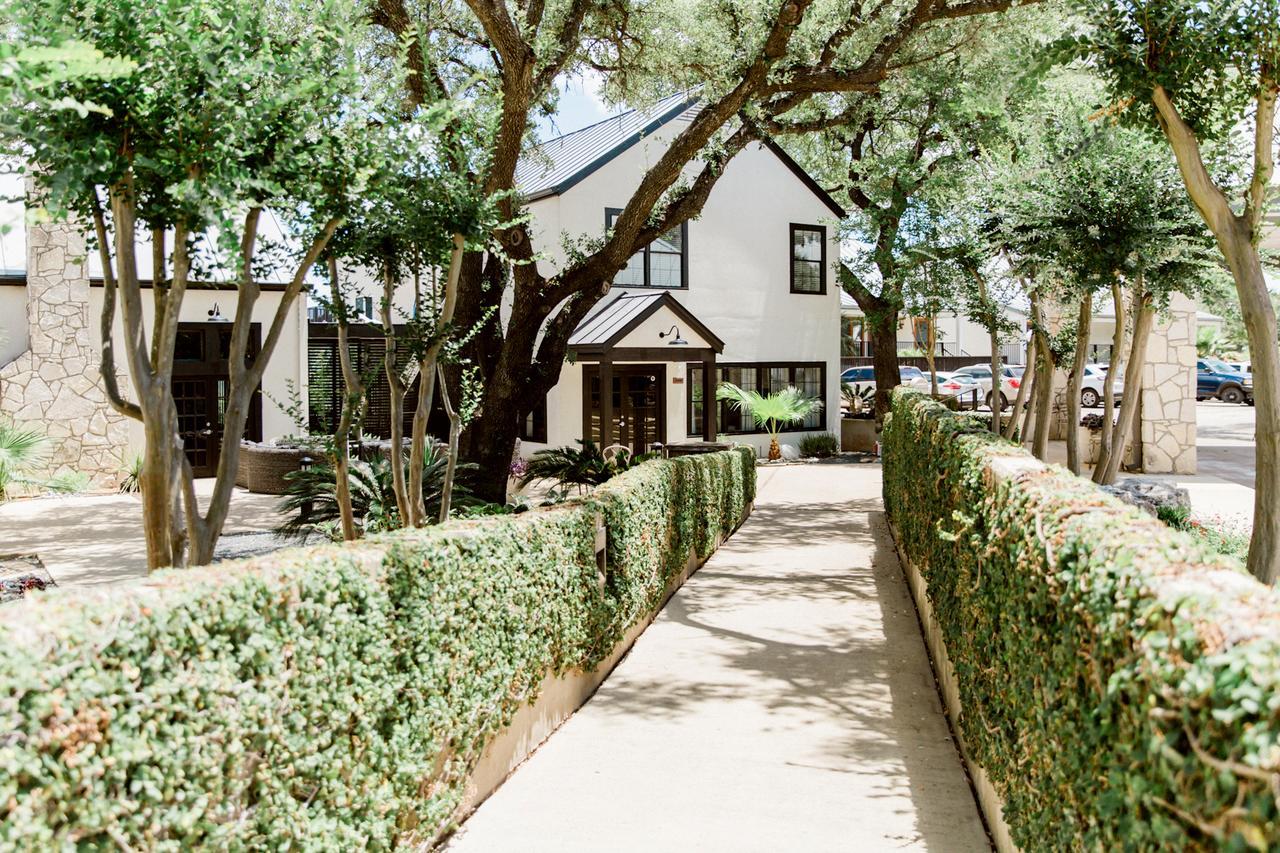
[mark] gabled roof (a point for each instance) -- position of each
(627, 311)
(558, 164)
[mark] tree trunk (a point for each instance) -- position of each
(352, 389)
(1143, 317)
(1044, 382)
(1024, 389)
(492, 435)
(451, 467)
(1084, 321)
(1260, 324)
(1235, 235)
(1109, 382)
(928, 356)
(884, 359)
(395, 393)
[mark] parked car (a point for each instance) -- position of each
(1010, 379)
(862, 378)
(1217, 379)
(1091, 386)
(1242, 366)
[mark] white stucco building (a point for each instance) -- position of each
(745, 293)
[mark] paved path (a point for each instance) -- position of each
(782, 701)
(92, 540)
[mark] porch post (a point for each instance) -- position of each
(606, 401)
(709, 404)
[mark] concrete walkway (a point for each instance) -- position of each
(782, 701)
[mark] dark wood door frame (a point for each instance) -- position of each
(606, 372)
(200, 363)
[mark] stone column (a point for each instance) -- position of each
(53, 387)
(1168, 407)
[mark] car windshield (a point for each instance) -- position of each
(910, 373)
(1219, 366)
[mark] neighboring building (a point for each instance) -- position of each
(957, 336)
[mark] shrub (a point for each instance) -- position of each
(1120, 681)
(821, 445)
(571, 466)
(334, 697)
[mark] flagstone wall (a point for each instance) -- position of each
(53, 387)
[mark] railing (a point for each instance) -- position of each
(864, 349)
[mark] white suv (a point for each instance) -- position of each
(1091, 386)
(981, 374)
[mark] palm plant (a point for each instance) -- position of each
(570, 466)
(310, 501)
(771, 412)
(21, 450)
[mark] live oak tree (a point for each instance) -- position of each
(229, 108)
(1200, 72)
(757, 69)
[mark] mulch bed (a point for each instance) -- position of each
(20, 573)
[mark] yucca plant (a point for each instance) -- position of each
(770, 412)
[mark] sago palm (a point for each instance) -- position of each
(770, 412)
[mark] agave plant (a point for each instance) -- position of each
(310, 501)
(770, 412)
(571, 466)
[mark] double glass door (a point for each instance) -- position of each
(637, 402)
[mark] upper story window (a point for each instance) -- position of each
(663, 263)
(808, 259)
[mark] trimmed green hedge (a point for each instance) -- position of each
(1120, 682)
(334, 697)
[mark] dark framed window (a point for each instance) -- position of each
(663, 263)
(534, 426)
(768, 377)
(808, 259)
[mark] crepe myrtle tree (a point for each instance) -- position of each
(229, 108)
(754, 68)
(412, 231)
(1201, 73)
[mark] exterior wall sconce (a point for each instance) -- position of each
(676, 341)
(215, 315)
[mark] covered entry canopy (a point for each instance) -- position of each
(647, 327)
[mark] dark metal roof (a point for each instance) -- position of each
(627, 311)
(558, 164)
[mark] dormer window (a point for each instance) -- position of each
(663, 263)
(808, 259)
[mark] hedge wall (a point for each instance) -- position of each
(1120, 683)
(332, 697)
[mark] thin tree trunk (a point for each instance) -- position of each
(1143, 317)
(933, 343)
(353, 389)
(1044, 382)
(451, 467)
(395, 389)
(1084, 321)
(1024, 388)
(990, 311)
(427, 379)
(1109, 382)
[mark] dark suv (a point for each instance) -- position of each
(1215, 378)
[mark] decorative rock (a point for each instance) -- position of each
(1150, 495)
(790, 452)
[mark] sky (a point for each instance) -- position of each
(581, 103)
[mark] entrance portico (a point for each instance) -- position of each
(631, 347)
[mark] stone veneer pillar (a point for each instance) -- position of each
(54, 387)
(1168, 412)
